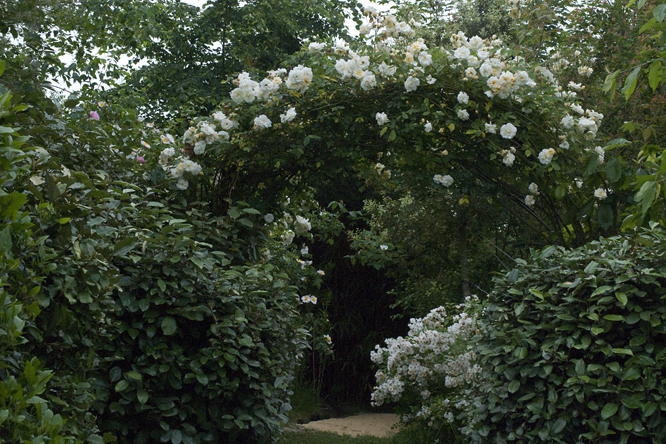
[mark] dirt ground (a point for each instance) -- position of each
(375, 424)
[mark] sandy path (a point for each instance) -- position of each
(375, 424)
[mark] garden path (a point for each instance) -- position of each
(374, 424)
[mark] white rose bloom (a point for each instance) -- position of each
(461, 53)
(428, 127)
(463, 114)
(227, 124)
(368, 81)
(182, 184)
(486, 69)
(529, 200)
(533, 188)
(365, 28)
(219, 116)
(268, 217)
(177, 171)
(191, 167)
(491, 128)
(475, 42)
(362, 62)
(600, 193)
(430, 80)
(167, 138)
(288, 116)
(344, 69)
(585, 71)
(546, 156)
(425, 59)
(168, 152)
(381, 119)
(385, 69)
(443, 180)
(262, 122)
(463, 98)
(564, 145)
(287, 237)
(302, 225)
(200, 147)
(567, 121)
(470, 72)
(223, 135)
(314, 47)
(236, 95)
(411, 83)
(508, 131)
(508, 158)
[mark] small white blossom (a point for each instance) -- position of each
(262, 122)
(411, 83)
(443, 180)
(508, 131)
(427, 127)
(288, 116)
(546, 156)
(381, 119)
(463, 97)
(600, 193)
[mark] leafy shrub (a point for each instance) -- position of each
(204, 353)
(576, 347)
(24, 415)
(160, 319)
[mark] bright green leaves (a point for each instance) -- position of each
(656, 74)
(630, 83)
(659, 12)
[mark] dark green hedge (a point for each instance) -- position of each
(576, 346)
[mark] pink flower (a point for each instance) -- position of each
(94, 115)
(140, 159)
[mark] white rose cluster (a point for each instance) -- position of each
(437, 349)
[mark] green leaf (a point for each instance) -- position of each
(622, 351)
(656, 72)
(614, 170)
(560, 192)
(609, 410)
(142, 396)
(601, 290)
(176, 437)
(169, 326)
(2, 69)
(392, 136)
(659, 12)
(622, 297)
(610, 83)
(134, 375)
(630, 83)
(122, 385)
(614, 318)
(514, 386)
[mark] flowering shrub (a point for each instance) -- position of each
(475, 116)
(431, 365)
